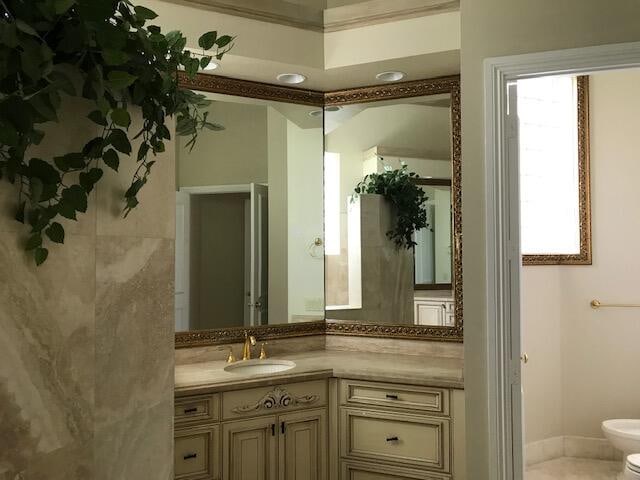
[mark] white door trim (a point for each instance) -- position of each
(502, 201)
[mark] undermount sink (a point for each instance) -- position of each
(259, 367)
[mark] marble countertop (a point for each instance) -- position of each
(207, 377)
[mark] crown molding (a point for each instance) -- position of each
(333, 19)
(374, 12)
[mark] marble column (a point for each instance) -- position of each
(86, 340)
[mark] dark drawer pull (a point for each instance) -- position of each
(392, 397)
(190, 410)
(190, 456)
(392, 439)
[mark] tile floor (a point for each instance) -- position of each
(574, 469)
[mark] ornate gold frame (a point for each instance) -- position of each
(584, 189)
(244, 88)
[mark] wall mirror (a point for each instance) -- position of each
(371, 285)
(249, 219)
(264, 209)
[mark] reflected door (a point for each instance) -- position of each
(259, 274)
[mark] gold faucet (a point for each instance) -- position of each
(249, 341)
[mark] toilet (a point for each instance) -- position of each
(624, 434)
(632, 468)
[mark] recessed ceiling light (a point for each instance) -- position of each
(333, 108)
(291, 78)
(315, 113)
(390, 76)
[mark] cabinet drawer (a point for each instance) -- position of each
(272, 400)
(196, 409)
(410, 440)
(420, 399)
(371, 471)
(197, 453)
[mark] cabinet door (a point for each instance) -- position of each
(429, 313)
(303, 445)
(249, 449)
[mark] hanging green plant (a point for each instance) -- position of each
(103, 51)
(399, 188)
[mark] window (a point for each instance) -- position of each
(554, 170)
(332, 203)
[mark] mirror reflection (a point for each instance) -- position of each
(249, 217)
(368, 277)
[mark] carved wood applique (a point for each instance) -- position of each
(277, 399)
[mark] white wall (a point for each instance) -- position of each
(493, 28)
(236, 155)
(599, 354)
(305, 220)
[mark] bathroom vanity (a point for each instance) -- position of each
(335, 415)
(274, 242)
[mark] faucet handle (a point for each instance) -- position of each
(263, 352)
(231, 358)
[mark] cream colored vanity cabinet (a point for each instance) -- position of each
(434, 312)
(265, 433)
(393, 431)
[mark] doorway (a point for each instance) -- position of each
(504, 259)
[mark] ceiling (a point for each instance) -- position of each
(416, 68)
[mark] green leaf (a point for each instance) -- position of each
(61, 6)
(76, 197)
(36, 188)
(204, 62)
(118, 138)
(19, 216)
(26, 28)
(55, 232)
(143, 150)
(115, 57)
(40, 255)
(118, 79)
(216, 127)
(223, 41)
(97, 117)
(121, 117)
(111, 159)
(34, 241)
(208, 40)
(65, 209)
(144, 13)
(90, 178)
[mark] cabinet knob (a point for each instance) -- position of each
(525, 358)
(190, 456)
(392, 439)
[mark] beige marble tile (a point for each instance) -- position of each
(74, 462)
(134, 326)
(155, 216)
(46, 350)
(395, 346)
(137, 446)
(274, 347)
(573, 469)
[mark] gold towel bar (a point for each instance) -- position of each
(599, 304)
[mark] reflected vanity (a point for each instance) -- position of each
(270, 237)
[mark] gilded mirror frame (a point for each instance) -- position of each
(249, 89)
(418, 88)
(434, 286)
(584, 189)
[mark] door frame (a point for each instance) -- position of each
(503, 256)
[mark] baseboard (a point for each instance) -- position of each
(569, 446)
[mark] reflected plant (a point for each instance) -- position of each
(103, 51)
(399, 188)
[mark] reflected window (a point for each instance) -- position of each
(553, 137)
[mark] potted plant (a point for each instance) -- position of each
(106, 52)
